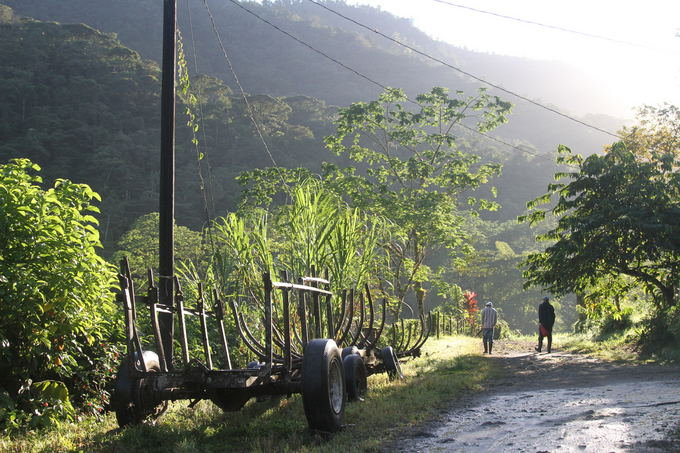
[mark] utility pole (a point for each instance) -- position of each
(167, 177)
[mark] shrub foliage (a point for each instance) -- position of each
(55, 300)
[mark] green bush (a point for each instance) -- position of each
(617, 322)
(56, 304)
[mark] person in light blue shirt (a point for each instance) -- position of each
(489, 319)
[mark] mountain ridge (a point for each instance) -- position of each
(268, 62)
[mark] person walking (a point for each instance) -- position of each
(546, 320)
(489, 319)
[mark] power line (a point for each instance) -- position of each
(298, 40)
(375, 82)
(249, 108)
(553, 27)
(472, 76)
(206, 190)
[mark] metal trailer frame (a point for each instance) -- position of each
(305, 336)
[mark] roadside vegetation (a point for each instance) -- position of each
(448, 368)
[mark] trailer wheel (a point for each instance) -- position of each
(132, 400)
(391, 362)
(355, 377)
(323, 385)
(349, 350)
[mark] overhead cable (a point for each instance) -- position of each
(298, 40)
(369, 79)
(469, 74)
(208, 200)
(249, 108)
(553, 27)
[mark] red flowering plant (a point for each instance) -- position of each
(471, 309)
(92, 382)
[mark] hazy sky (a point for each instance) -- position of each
(646, 71)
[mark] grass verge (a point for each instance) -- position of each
(448, 368)
(614, 347)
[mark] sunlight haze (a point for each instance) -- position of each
(643, 68)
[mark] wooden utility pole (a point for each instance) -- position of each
(167, 176)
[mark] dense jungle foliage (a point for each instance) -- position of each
(86, 108)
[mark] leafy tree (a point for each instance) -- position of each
(618, 214)
(140, 245)
(56, 305)
(415, 174)
(492, 270)
(609, 304)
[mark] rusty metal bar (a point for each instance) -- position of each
(296, 334)
(329, 318)
(316, 280)
(371, 344)
(302, 314)
(167, 174)
(409, 336)
(287, 346)
(408, 332)
(152, 302)
(402, 336)
(204, 327)
(341, 315)
(125, 267)
(426, 330)
(371, 314)
(317, 315)
(239, 327)
(280, 342)
(420, 336)
(268, 320)
(179, 303)
(424, 337)
(132, 338)
(360, 325)
(218, 309)
(348, 328)
(383, 320)
(258, 348)
(300, 286)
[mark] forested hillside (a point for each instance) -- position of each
(267, 61)
(86, 108)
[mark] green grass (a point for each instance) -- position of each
(614, 347)
(448, 368)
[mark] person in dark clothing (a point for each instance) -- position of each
(546, 320)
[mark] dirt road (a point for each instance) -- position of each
(559, 402)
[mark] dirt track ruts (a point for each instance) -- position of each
(558, 402)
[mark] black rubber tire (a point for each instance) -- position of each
(130, 400)
(355, 377)
(324, 395)
(391, 362)
(349, 350)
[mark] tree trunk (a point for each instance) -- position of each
(668, 293)
(581, 309)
